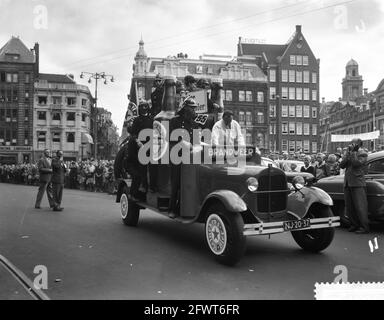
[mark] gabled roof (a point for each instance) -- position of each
(55, 78)
(16, 47)
(272, 51)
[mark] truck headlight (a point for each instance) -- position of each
(298, 182)
(252, 184)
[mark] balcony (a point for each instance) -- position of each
(61, 86)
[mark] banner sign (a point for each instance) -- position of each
(201, 99)
(349, 137)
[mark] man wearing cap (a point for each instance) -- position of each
(185, 121)
(58, 179)
(356, 203)
(157, 96)
(227, 132)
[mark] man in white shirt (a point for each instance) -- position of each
(227, 132)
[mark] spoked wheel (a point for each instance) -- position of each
(130, 211)
(224, 235)
(316, 240)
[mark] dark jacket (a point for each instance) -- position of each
(157, 101)
(45, 170)
(310, 170)
(355, 172)
(59, 170)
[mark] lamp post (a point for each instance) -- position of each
(97, 76)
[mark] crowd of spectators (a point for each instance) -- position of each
(93, 176)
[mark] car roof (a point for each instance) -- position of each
(375, 156)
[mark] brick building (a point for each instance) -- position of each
(245, 85)
(19, 67)
(293, 80)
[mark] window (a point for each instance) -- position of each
(299, 111)
(2, 116)
(272, 75)
(299, 128)
(70, 137)
(299, 93)
(8, 96)
(241, 118)
(306, 146)
(71, 116)
(2, 77)
(26, 115)
(376, 167)
(314, 95)
(260, 118)
(292, 60)
(314, 129)
(228, 95)
(15, 95)
(299, 76)
(248, 96)
(41, 115)
(15, 78)
(248, 118)
(9, 78)
(306, 111)
(42, 100)
(306, 129)
(241, 95)
(14, 115)
(272, 93)
(26, 137)
(314, 77)
(292, 111)
(27, 97)
(305, 60)
(284, 128)
(272, 111)
(72, 101)
(284, 111)
(56, 137)
(260, 96)
(84, 117)
(41, 136)
(56, 101)
(8, 115)
(56, 116)
(272, 128)
(292, 128)
(314, 112)
(306, 76)
(314, 147)
(284, 145)
(292, 74)
(14, 137)
(306, 94)
(284, 75)
(27, 78)
(199, 69)
(248, 139)
(299, 60)
(284, 93)
(299, 146)
(292, 94)
(292, 146)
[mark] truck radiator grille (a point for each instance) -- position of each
(274, 201)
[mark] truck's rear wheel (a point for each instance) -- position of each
(224, 235)
(130, 211)
(315, 240)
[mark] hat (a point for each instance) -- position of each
(228, 113)
(158, 77)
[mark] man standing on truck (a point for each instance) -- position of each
(157, 96)
(227, 132)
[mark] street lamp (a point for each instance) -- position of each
(97, 76)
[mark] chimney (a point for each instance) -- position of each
(323, 100)
(71, 76)
(36, 49)
(365, 91)
(298, 28)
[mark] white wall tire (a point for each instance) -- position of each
(216, 234)
(130, 211)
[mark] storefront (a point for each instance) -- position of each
(15, 154)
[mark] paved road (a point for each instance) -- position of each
(90, 254)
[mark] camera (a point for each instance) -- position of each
(353, 147)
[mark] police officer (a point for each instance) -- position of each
(184, 120)
(157, 96)
(356, 203)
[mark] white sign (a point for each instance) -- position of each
(201, 99)
(349, 137)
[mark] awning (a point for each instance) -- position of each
(86, 138)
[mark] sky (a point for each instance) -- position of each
(103, 35)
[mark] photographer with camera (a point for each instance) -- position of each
(355, 164)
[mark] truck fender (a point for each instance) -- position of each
(122, 184)
(301, 201)
(230, 200)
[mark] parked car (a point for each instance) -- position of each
(237, 202)
(265, 162)
(334, 186)
(285, 165)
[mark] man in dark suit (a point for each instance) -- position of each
(45, 171)
(356, 203)
(58, 177)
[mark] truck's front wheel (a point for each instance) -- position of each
(315, 240)
(130, 211)
(224, 235)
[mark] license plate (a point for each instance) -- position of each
(297, 225)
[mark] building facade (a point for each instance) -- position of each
(107, 135)
(293, 89)
(245, 86)
(19, 67)
(62, 117)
